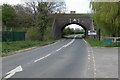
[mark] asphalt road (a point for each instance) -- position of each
(65, 59)
(106, 60)
(78, 36)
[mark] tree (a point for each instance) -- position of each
(32, 5)
(24, 16)
(1, 18)
(8, 13)
(42, 18)
(52, 7)
(67, 31)
(33, 34)
(107, 16)
(41, 11)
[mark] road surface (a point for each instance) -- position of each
(68, 58)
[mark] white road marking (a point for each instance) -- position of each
(42, 58)
(85, 41)
(88, 68)
(89, 58)
(12, 72)
(95, 69)
(66, 44)
(91, 53)
(59, 49)
(69, 42)
(56, 50)
(94, 64)
(51, 44)
(19, 68)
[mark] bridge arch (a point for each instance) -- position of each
(67, 24)
(61, 21)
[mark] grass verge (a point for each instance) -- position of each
(8, 47)
(97, 43)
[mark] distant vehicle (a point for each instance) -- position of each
(80, 36)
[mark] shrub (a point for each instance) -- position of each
(33, 34)
(47, 35)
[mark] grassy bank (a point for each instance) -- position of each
(8, 47)
(97, 43)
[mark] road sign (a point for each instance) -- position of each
(92, 32)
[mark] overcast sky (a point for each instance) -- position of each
(80, 6)
(74, 26)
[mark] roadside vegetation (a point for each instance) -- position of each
(106, 16)
(106, 21)
(34, 18)
(32, 14)
(8, 47)
(98, 43)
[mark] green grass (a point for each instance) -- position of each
(8, 47)
(0, 48)
(97, 43)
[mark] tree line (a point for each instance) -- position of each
(69, 31)
(106, 16)
(32, 17)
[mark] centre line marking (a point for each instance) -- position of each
(59, 49)
(66, 44)
(89, 58)
(56, 50)
(88, 55)
(42, 58)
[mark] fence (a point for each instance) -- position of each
(13, 36)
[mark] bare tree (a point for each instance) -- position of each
(33, 5)
(52, 7)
